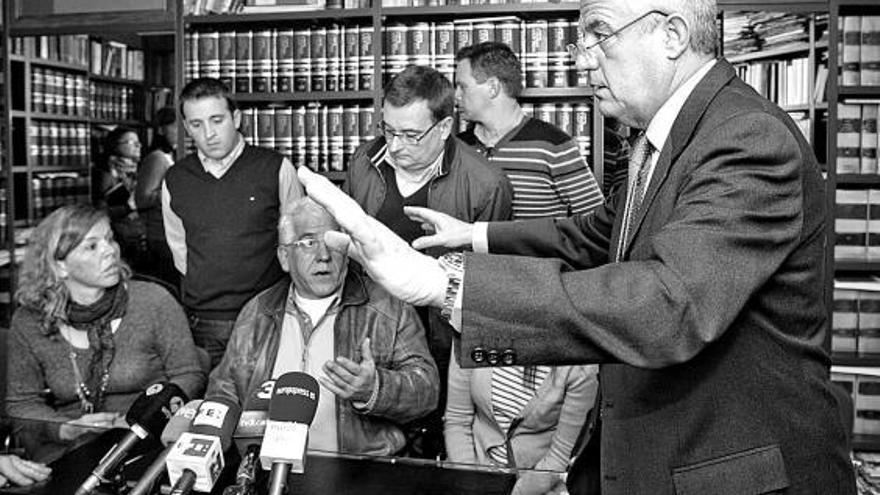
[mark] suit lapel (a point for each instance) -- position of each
(682, 130)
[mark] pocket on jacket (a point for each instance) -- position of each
(753, 471)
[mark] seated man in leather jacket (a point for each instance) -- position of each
(366, 348)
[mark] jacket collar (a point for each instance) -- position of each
(682, 130)
(354, 292)
(378, 148)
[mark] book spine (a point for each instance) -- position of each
(285, 57)
(266, 127)
(874, 225)
(848, 138)
(336, 137)
(868, 139)
(302, 60)
(318, 47)
(226, 46)
(262, 79)
(557, 55)
(368, 62)
(284, 132)
(351, 58)
(869, 51)
(351, 137)
(248, 125)
(443, 43)
(536, 54)
(851, 53)
(418, 43)
(298, 127)
(313, 138)
(850, 224)
(396, 57)
(209, 54)
(244, 61)
(334, 80)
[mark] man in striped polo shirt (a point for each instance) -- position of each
(543, 163)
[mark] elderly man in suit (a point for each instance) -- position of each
(699, 287)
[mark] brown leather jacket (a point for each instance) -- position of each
(408, 380)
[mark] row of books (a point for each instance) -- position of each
(205, 7)
(50, 191)
(104, 58)
(113, 101)
(71, 48)
(540, 45)
(432, 3)
(857, 138)
(855, 322)
(115, 59)
(323, 137)
(335, 57)
(859, 44)
(281, 60)
(865, 393)
(56, 91)
(746, 32)
(857, 224)
(784, 82)
(59, 143)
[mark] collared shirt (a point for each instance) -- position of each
(408, 182)
(175, 232)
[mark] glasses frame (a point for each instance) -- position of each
(404, 138)
(307, 245)
(581, 49)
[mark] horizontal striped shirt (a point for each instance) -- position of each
(546, 170)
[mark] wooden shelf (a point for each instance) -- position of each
(271, 17)
(52, 116)
(856, 266)
(54, 169)
(855, 359)
(129, 123)
(524, 10)
(573, 92)
(57, 64)
(773, 53)
(114, 80)
(306, 96)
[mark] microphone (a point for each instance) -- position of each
(196, 460)
(248, 435)
(291, 411)
(146, 418)
(177, 426)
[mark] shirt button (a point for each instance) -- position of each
(493, 357)
(478, 355)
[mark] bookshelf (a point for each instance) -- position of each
(341, 58)
(854, 188)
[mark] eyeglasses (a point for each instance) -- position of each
(411, 138)
(307, 245)
(581, 49)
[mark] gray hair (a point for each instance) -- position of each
(303, 206)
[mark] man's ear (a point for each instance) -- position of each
(282, 258)
(678, 36)
(495, 87)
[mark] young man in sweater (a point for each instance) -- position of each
(544, 165)
(220, 206)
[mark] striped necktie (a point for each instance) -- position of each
(639, 167)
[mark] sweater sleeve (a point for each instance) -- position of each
(580, 393)
(25, 386)
(574, 181)
(458, 430)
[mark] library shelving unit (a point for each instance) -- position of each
(331, 65)
(843, 94)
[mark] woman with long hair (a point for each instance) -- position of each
(86, 340)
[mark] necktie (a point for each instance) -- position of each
(639, 161)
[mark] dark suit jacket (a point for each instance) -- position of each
(714, 378)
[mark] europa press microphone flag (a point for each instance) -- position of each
(196, 460)
(291, 411)
(177, 426)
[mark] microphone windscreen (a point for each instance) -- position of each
(180, 422)
(294, 399)
(153, 408)
(217, 417)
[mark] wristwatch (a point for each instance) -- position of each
(453, 264)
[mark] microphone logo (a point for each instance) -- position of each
(265, 390)
(198, 447)
(294, 391)
(211, 414)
